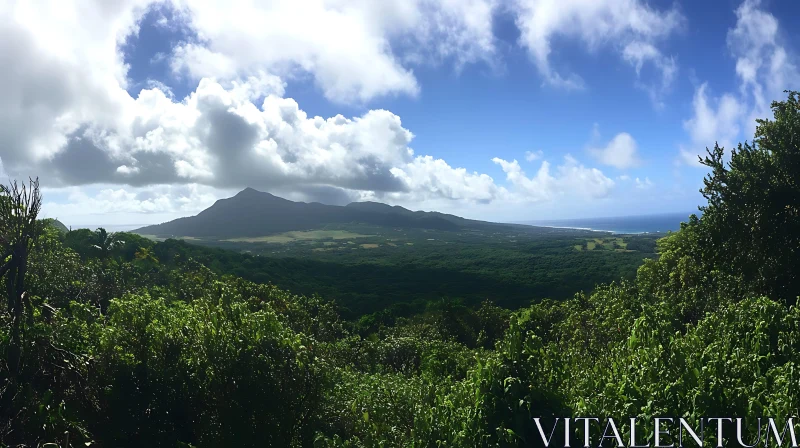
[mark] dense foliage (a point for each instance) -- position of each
(510, 269)
(126, 344)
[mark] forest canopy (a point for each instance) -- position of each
(106, 341)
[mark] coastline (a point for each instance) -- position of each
(618, 225)
(589, 229)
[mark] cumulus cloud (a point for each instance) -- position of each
(350, 48)
(61, 68)
(541, 187)
(68, 117)
(621, 152)
(124, 203)
(717, 121)
(631, 27)
(426, 176)
(218, 137)
(764, 68)
(570, 178)
(714, 122)
(530, 156)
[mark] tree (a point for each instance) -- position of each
(751, 225)
(145, 258)
(19, 207)
(106, 242)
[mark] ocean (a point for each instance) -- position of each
(108, 227)
(617, 224)
(621, 224)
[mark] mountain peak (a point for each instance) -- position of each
(253, 194)
(250, 191)
(258, 213)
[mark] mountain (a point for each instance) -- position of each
(378, 207)
(254, 213)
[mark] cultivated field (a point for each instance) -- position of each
(308, 235)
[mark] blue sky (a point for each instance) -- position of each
(494, 109)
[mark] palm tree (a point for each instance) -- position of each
(106, 242)
(19, 208)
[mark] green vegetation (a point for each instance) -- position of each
(368, 275)
(56, 224)
(117, 340)
(288, 237)
(616, 243)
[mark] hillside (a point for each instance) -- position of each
(254, 213)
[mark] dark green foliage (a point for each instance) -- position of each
(56, 224)
(751, 226)
(203, 373)
(472, 269)
(641, 244)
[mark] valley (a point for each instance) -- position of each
(398, 269)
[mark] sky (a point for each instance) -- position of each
(140, 111)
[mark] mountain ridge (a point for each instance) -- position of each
(252, 213)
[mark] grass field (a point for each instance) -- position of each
(160, 238)
(615, 243)
(309, 235)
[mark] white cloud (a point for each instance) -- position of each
(631, 27)
(763, 64)
(624, 177)
(541, 187)
(111, 204)
(154, 84)
(218, 137)
(530, 156)
(587, 182)
(712, 122)
(354, 50)
(570, 178)
(66, 114)
(764, 68)
(620, 152)
(643, 184)
(61, 68)
(428, 177)
(637, 54)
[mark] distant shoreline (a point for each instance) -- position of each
(619, 225)
(613, 232)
